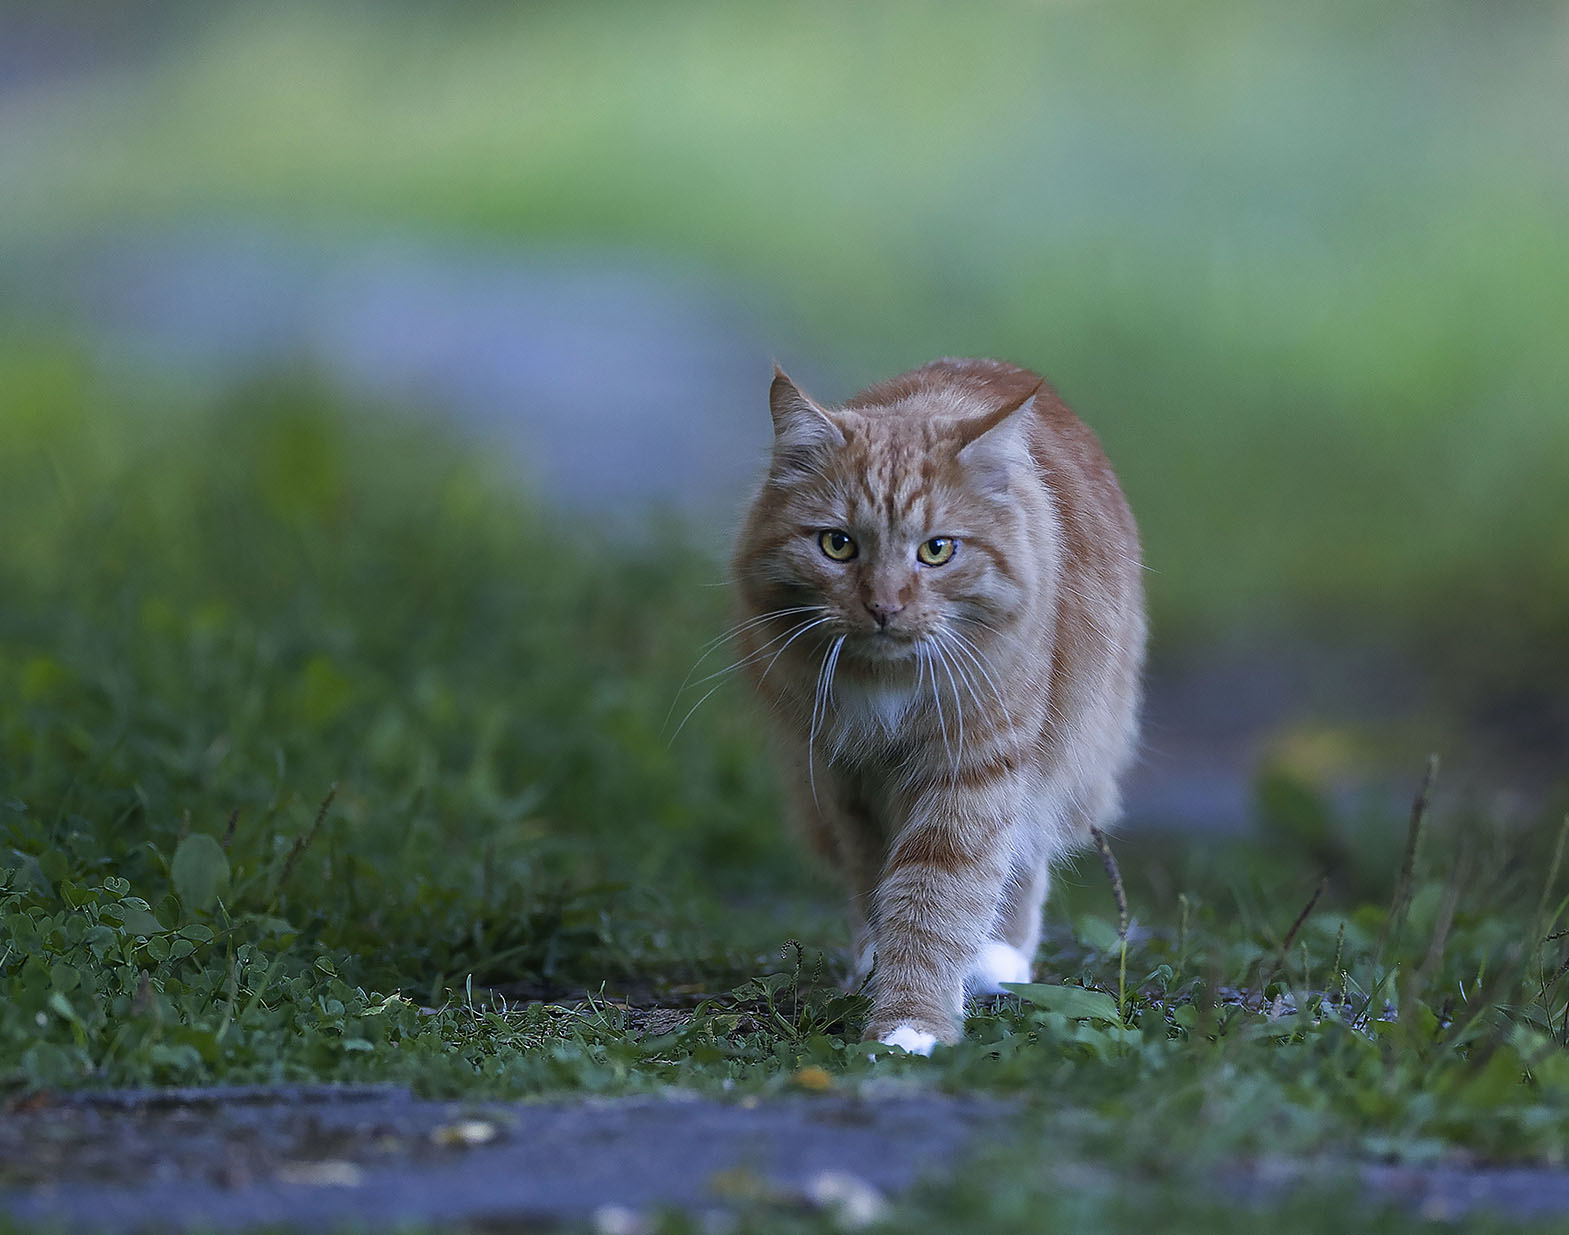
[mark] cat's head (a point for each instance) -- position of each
(900, 523)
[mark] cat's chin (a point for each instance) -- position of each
(881, 649)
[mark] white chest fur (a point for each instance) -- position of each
(870, 712)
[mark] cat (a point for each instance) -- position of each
(940, 599)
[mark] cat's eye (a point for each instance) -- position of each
(836, 544)
(937, 550)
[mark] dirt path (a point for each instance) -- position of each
(316, 1156)
(231, 1159)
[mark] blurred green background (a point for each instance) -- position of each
(1303, 268)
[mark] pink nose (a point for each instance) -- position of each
(882, 612)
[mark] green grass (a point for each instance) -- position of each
(327, 756)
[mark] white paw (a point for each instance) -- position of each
(916, 1041)
(998, 963)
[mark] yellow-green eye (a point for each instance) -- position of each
(836, 544)
(937, 550)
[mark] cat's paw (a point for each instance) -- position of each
(998, 963)
(915, 1041)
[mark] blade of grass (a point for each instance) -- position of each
(1114, 874)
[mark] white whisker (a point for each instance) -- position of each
(761, 651)
(958, 706)
(980, 661)
(739, 627)
(968, 648)
(793, 634)
(820, 701)
(1054, 713)
(688, 715)
(965, 676)
(712, 645)
(809, 626)
(927, 664)
(834, 664)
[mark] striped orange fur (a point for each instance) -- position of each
(940, 595)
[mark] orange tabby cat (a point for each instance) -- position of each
(941, 598)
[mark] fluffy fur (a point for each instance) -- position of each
(950, 730)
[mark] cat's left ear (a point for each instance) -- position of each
(990, 442)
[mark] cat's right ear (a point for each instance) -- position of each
(803, 432)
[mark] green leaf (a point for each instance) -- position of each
(199, 870)
(1076, 1002)
(139, 921)
(75, 897)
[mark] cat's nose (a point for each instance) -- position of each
(882, 612)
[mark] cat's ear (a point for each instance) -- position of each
(990, 443)
(974, 428)
(802, 430)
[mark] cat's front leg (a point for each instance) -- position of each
(1009, 955)
(936, 901)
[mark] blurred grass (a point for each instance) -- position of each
(233, 608)
(1302, 269)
